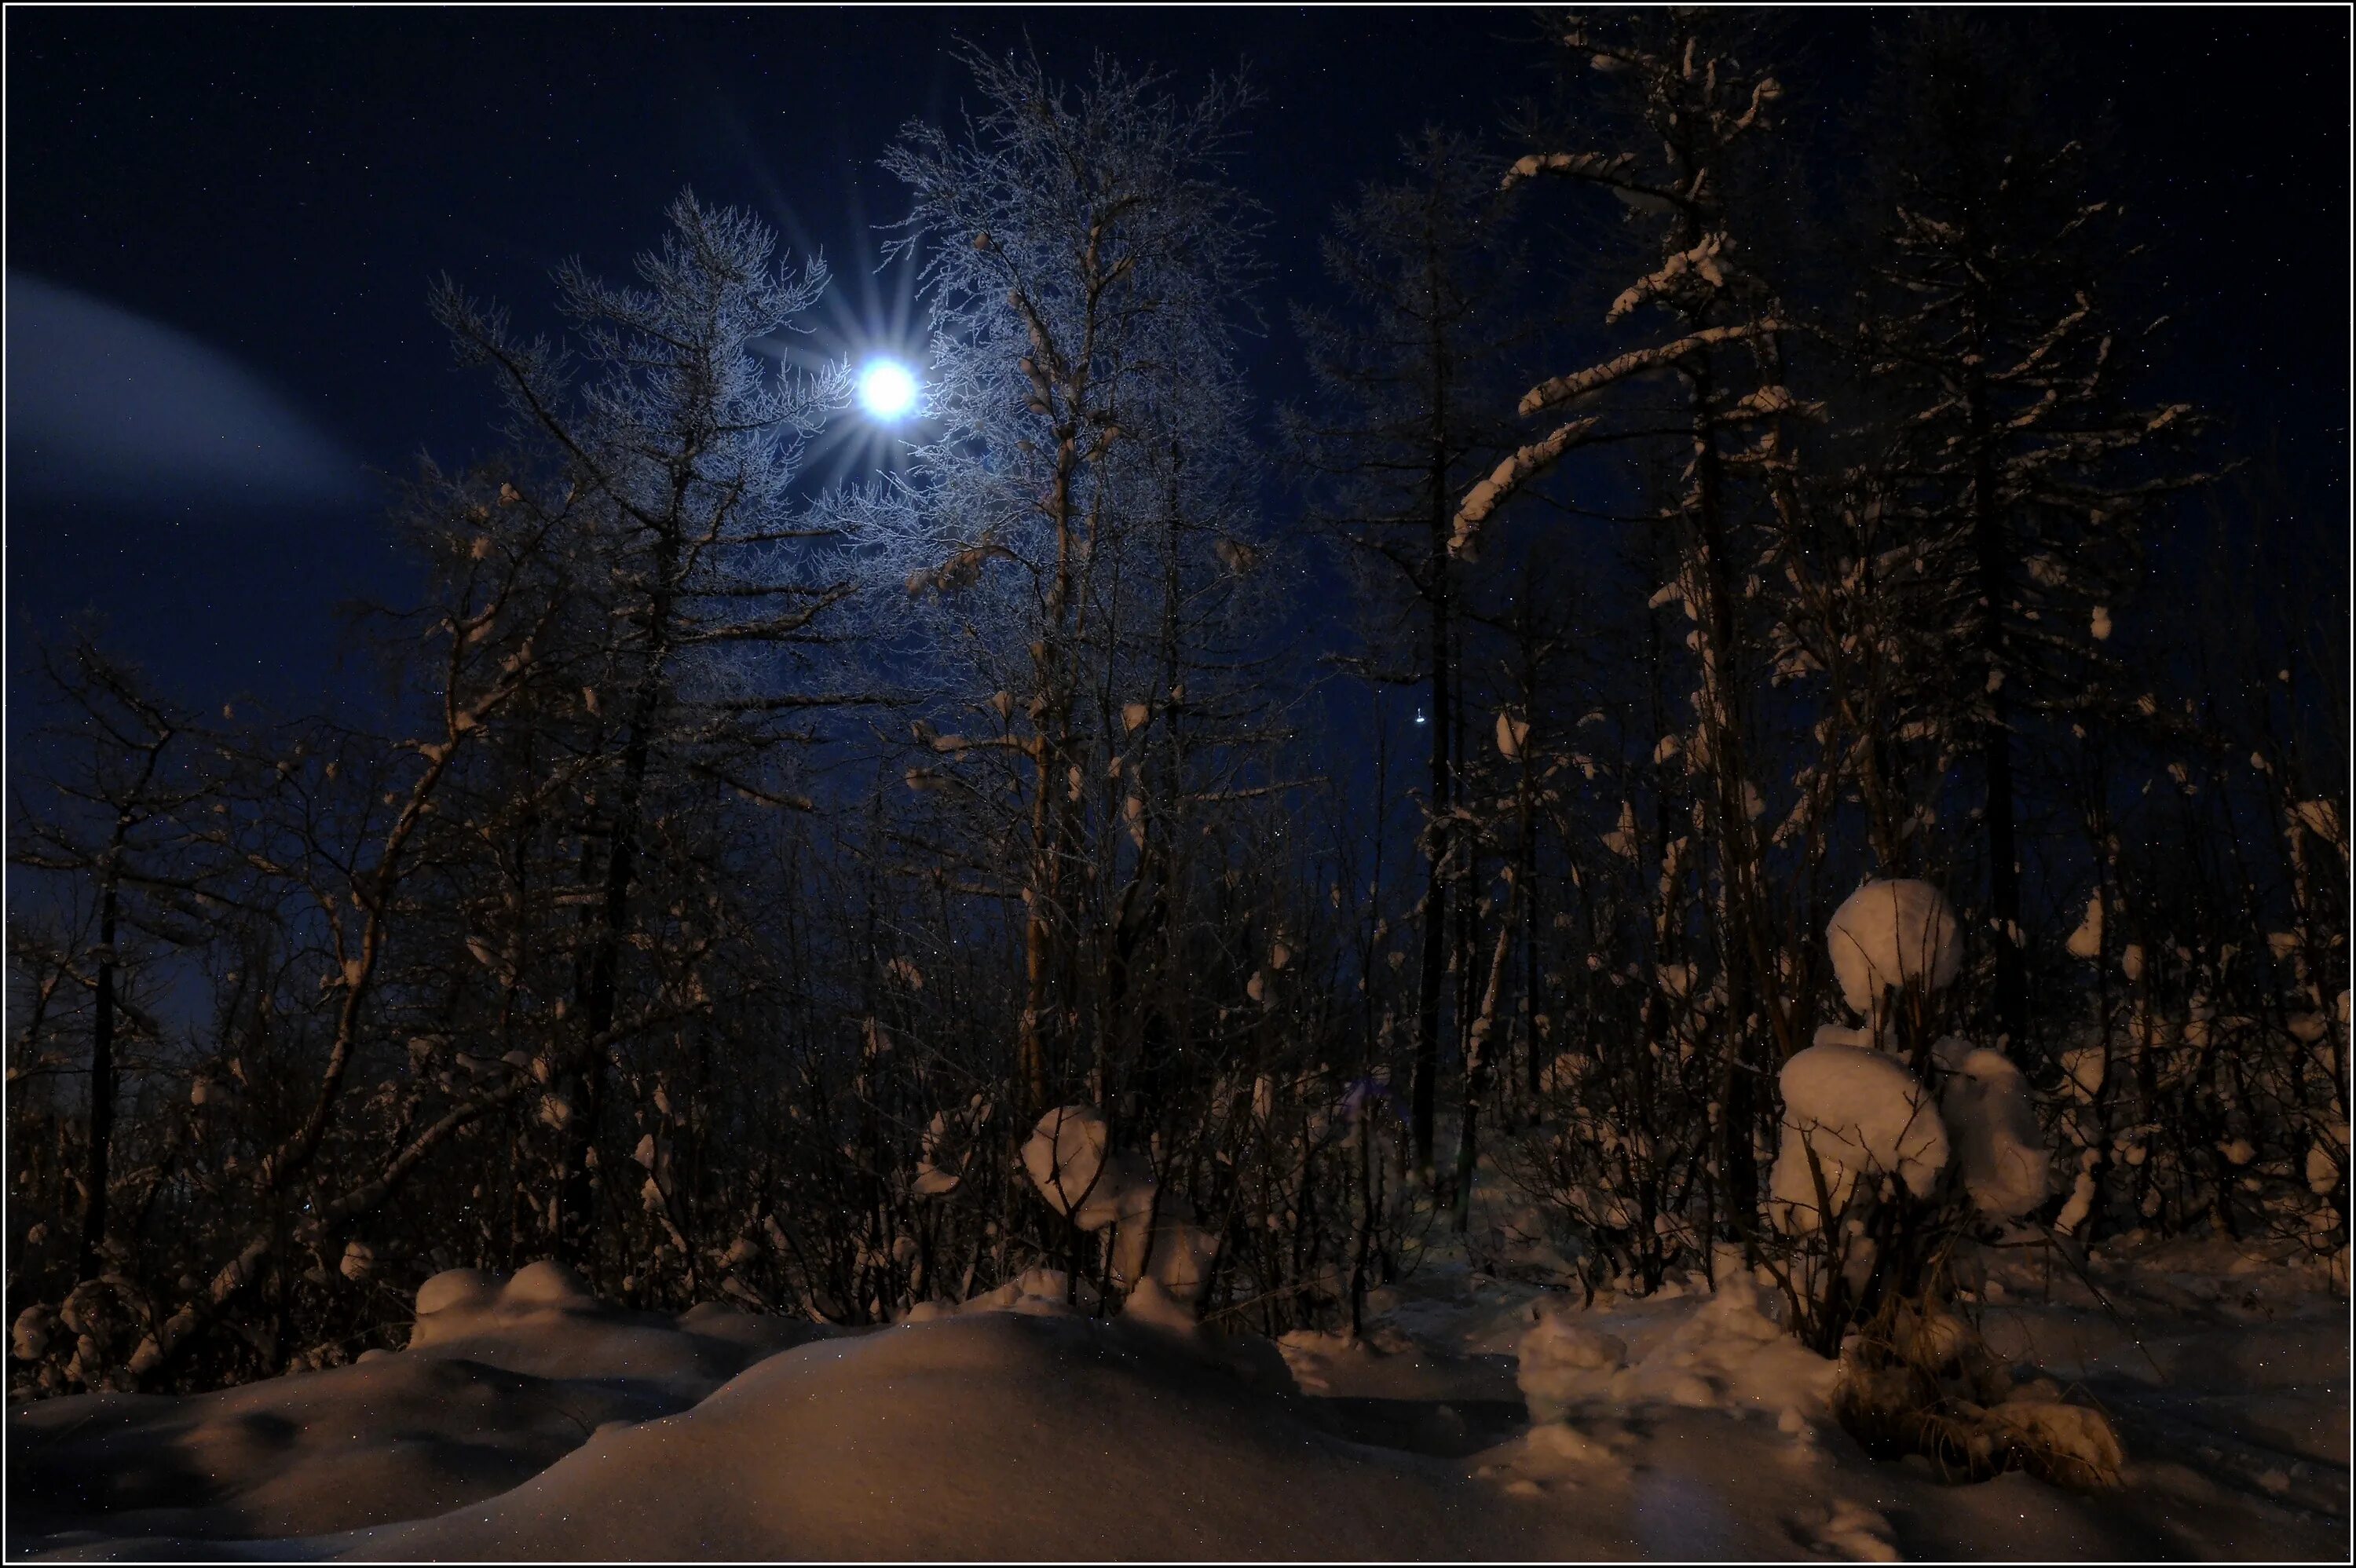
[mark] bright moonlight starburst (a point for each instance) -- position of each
(887, 389)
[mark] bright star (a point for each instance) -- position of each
(886, 388)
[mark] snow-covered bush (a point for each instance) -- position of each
(1850, 1117)
(1154, 1236)
(2006, 1165)
(1890, 935)
(1895, 1148)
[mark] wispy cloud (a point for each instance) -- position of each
(107, 406)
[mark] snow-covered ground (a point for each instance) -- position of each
(528, 1421)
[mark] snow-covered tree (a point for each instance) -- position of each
(1076, 536)
(672, 454)
(1708, 378)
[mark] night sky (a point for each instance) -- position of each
(221, 226)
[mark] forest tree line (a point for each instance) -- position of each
(739, 871)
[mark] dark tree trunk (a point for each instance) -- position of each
(1995, 740)
(1438, 839)
(575, 1230)
(101, 1080)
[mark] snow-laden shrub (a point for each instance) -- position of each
(1891, 934)
(1068, 1159)
(1851, 1113)
(29, 1339)
(2005, 1167)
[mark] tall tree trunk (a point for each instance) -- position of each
(101, 1076)
(1039, 896)
(575, 1230)
(1438, 839)
(1742, 946)
(1995, 736)
(1477, 1065)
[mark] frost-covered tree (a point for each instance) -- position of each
(1074, 540)
(673, 443)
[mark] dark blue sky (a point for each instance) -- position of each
(221, 226)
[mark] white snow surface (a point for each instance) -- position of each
(1477, 1417)
(1888, 933)
(1728, 1354)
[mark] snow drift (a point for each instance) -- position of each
(503, 1379)
(1682, 1426)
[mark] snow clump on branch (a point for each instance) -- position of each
(1155, 1238)
(1861, 1113)
(1893, 933)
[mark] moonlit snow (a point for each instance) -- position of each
(1477, 1417)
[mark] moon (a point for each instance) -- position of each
(887, 389)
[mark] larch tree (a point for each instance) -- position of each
(1403, 419)
(676, 451)
(1077, 529)
(1709, 379)
(2019, 464)
(120, 792)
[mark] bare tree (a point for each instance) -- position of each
(115, 825)
(1077, 518)
(1405, 417)
(677, 456)
(2026, 467)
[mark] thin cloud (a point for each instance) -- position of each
(109, 406)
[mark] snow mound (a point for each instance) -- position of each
(1690, 1427)
(1564, 1364)
(1035, 1293)
(502, 1378)
(1891, 933)
(1729, 1354)
(985, 1435)
(1388, 1366)
(2007, 1168)
(544, 1322)
(1861, 1113)
(1849, 1531)
(392, 1438)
